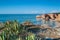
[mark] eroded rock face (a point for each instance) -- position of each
(51, 32)
(27, 23)
(58, 18)
(47, 31)
(54, 16)
(50, 19)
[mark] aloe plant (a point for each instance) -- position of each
(10, 29)
(13, 31)
(30, 36)
(0, 38)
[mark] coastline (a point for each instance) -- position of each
(27, 27)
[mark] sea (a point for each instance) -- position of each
(19, 17)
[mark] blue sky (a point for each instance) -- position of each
(29, 6)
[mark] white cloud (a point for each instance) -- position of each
(40, 11)
(54, 11)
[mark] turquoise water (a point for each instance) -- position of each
(22, 17)
(19, 17)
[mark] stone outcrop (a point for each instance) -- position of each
(54, 16)
(51, 32)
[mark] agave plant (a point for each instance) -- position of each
(30, 36)
(10, 30)
(0, 38)
(13, 31)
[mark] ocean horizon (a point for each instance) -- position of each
(19, 17)
(22, 18)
